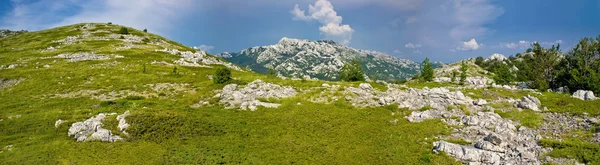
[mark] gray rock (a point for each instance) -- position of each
(91, 129)
(247, 98)
(467, 154)
(58, 122)
(480, 102)
(365, 86)
(529, 102)
(123, 125)
(584, 95)
(6, 83)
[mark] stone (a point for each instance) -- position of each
(529, 102)
(480, 102)
(467, 154)
(58, 122)
(493, 138)
(247, 98)
(365, 86)
(584, 95)
(123, 125)
(91, 129)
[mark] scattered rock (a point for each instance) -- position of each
(123, 125)
(85, 56)
(91, 129)
(529, 102)
(247, 97)
(480, 102)
(58, 122)
(437, 98)
(467, 154)
(6, 83)
(198, 59)
(584, 95)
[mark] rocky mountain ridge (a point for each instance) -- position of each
(296, 58)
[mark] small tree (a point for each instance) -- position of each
(110, 23)
(479, 61)
(145, 30)
(174, 70)
(463, 73)
(427, 70)
(222, 76)
(454, 73)
(271, 73)
(123, 30)
(352, 71)
(503, 75)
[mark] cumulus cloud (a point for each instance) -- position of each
(469, 45)
(36, 15)
(323, 12)
(412, 46)
(205, 48)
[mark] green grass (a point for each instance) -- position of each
(527, 118)
(166, 130)
(421, 85)
(585, 152)
(565, 103)
(494, 93)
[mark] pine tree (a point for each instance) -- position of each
(463, 73)
(427, 70)
(454, 73)
(503, 75)
(352, 71)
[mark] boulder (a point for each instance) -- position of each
(584, 95)
(91, 129)
(467, 154)
(480, 102)
(247, 98)
(529, 102)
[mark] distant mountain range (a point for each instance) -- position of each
(296, 58)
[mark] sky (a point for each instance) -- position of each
(443, 30)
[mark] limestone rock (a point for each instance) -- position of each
(91, 129)
(480, 102)
(247, 98)
(584, 95)
(529, 102)
(58, 122)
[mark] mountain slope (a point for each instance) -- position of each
(320, 59)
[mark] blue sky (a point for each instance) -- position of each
(443, 30)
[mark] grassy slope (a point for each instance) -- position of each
(167, 130)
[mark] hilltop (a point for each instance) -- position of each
(91, 93)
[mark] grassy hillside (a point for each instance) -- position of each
(165, 127)
(171, 122)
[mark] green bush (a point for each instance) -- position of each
(123, 30)
(479, 61)
(110, 23)
(145, 30)
(271, 73)
(222, 76)
(352, 71)
(145, 40)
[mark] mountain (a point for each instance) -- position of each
(296, 58)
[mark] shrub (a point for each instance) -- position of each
(352, 71)
(122, 37)
(124, 31)
(427, 70)
(222, 76)
(145, 30)
(271, 73)
(110, 23)
(145, 40)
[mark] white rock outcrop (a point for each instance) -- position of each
(584, 95)
(91, 129)
(529, 102)
(245, 98)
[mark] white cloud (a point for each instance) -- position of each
(417, 52)
(397, 52)
(205, 48)
(156, 15)
(324, 13)
(469, 45)
(412, 46)
(523, 44)
(470, 17)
